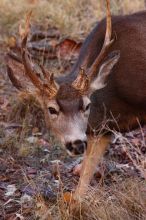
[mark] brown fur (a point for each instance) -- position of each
(124, 98)
(69, 99)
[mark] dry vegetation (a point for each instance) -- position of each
(72, 17)
(121, 198)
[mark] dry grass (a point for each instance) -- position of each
(124, 200)
(72, 17)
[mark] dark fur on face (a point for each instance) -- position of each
(69, 99)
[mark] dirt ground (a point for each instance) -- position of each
(35, 171)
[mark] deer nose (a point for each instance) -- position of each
(77, 147)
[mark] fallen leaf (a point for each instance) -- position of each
(26, 198)
(32, 140)
(11, 189)
(68, 48)
(11, 42)
(67, 197)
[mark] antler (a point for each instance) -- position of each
(91, 73)
(50, 84)
(50, 88)
(82, 81)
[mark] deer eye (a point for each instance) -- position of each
(87, 107)
(53, 111)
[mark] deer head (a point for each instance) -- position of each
(67, 105)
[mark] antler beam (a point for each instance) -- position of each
(83, 78)
(106, 45)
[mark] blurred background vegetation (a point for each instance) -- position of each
(74, 17)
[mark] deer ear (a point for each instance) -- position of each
(100, 81)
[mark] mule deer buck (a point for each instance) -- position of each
(104, 91)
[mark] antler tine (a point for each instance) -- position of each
(29, 71)
(107, 43)
(13, 79)
(24, 33)
(81, 83)
(51, 85)
(108, 24)
(45, 73)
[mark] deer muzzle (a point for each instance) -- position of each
(77, 147)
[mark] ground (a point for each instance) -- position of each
(36, 173)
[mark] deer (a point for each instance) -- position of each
(104, 91)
